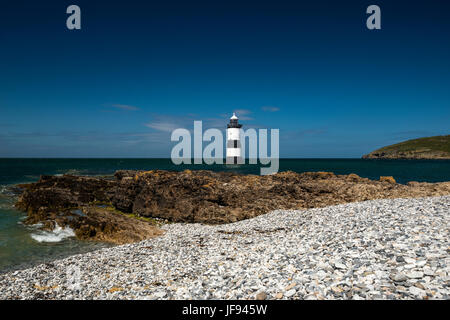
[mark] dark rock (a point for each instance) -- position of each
(191, 196)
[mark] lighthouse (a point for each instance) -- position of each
(234, 155)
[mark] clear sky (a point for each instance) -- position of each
(138, 69)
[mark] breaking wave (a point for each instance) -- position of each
(7, 198)
(4, 189)
(56, 235)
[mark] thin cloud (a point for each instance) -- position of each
(242, 111)
(162, 126)
(125, 107)
(242, 114)
(168, 123)
(270, 109)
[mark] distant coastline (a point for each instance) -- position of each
(429, 148)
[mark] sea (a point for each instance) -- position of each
(23, 245)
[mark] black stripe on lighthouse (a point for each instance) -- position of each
(233, 144)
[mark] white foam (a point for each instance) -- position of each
(5, 191)
(56, 235)
(33, 226)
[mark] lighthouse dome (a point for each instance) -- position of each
(234, 122)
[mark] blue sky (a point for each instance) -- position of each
(137, 69)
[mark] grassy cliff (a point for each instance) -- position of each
(437, 147)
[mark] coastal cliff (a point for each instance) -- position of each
(437, 147)
(131, 206)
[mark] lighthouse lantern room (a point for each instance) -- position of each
(234, 152)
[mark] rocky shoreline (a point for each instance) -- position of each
(378, 249)
(407, 155)
(132, 205)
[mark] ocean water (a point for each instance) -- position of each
(22, 245)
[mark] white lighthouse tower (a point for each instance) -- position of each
(234, 153)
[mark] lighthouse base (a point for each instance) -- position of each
(235, 160)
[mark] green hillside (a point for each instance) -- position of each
(437, 147)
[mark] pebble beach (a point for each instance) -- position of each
(378, 249)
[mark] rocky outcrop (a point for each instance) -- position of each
(218, 197)
(82, 203)
(124, 209)
(389, 179)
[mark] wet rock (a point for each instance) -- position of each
(73, 201)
